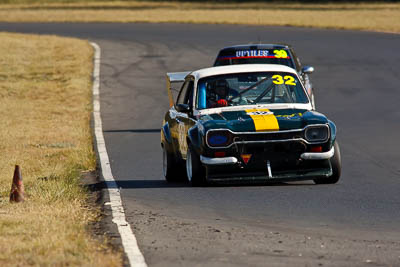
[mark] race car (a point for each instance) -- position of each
(267, 54)
(246, 123)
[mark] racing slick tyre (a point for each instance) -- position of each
(195, 171)
(336, 164)
(173, 171)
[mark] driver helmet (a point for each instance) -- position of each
(222, 88)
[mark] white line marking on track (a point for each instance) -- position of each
(129, 241)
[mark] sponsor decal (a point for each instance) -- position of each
(260, 112)
(291, 116)
(246, 158)
(258, 53)
(264, 120)
(252, 53)
(182, 138)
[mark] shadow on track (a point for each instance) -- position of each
(142, 184)
(138, 184)
(134, 131)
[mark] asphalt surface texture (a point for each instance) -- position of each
(355, 222)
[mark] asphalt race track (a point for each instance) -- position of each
(357, 85)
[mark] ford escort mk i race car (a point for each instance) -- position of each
(246, 122)
(267, 54)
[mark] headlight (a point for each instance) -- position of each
(220, 138)
(317, 133)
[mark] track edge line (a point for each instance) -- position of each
(128, 238)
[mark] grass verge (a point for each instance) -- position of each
(360, 16)
(45, 107)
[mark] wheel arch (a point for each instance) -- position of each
(333, 130)
(166, 134)
(193, 138)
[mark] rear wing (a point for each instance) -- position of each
(174, 77)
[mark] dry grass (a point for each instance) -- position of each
(366, 16)
(45, 107)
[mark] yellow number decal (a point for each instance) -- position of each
(280, 54)
(277, 79)
(289, 80)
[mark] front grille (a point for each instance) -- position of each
(284, 153)
(284, 136)
(273, 136)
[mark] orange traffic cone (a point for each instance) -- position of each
(17, 187)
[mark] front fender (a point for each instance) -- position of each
(333, 129)
(194, 138)
(166, 134)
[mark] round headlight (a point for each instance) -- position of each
(219, 138)
(317, 133)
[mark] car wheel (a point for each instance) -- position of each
(336, 164)
(172, 170)
(195, 171)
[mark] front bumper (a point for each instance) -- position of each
(273, 177)
(234, 160)
(318, 155)
(218, 161)
(309, 166)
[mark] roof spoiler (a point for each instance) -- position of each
(174, 77)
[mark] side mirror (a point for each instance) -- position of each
(183, 108)
(307, 69)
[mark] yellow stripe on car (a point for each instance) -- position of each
(264, 119)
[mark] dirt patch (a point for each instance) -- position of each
(102, 228)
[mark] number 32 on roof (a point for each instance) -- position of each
(287, 79)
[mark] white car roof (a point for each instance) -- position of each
(241, 68)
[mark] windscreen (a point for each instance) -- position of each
(254, 56)
(249, 89)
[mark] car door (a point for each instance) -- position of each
(183, 120)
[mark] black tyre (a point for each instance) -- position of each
(172, 169)
(336, 163)
(195, 171)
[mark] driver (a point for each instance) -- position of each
(222, 90)
(220, 93)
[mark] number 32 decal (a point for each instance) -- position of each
(278, 79)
